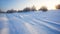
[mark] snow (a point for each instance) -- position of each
(33, 22)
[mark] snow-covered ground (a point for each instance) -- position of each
(37, 22)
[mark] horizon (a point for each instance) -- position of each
(21, 4)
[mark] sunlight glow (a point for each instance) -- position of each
(21, 4)
(49, 3)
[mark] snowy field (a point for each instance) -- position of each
(36, 22)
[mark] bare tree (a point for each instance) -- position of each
(33, 8)
(1, 11)
(26, 9)
(58, 6)
(11, 11)
(43, 8)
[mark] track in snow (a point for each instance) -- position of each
(30, 23)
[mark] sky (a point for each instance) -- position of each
(21, 4)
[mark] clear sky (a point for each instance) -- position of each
(20, 4)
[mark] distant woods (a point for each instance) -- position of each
(27, 9)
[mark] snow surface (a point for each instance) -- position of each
(36, 22)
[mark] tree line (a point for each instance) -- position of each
(33, 8)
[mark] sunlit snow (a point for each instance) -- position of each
(33, 22)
